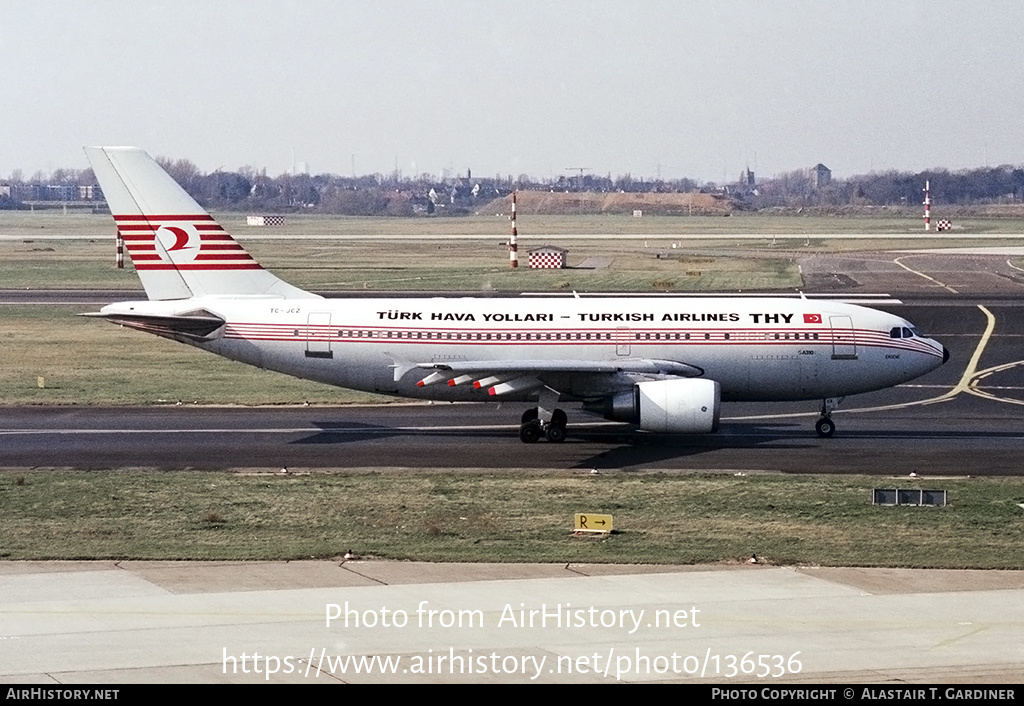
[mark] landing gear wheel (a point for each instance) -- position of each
(825, 427)
(529, 415)
(559, 417)
(555, 433)
(529, 433)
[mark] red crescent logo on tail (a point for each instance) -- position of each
(180, 242)
(181, 238)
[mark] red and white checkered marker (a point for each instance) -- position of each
(546, 260)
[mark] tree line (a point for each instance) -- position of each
(251, 190)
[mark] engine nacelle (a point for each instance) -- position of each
(669, 406)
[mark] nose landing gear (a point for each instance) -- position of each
(825, 426)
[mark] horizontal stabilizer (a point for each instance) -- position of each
(197, 326)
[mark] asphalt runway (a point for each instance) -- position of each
(952, 421)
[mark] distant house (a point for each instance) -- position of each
(820, 175)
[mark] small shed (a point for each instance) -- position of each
(264, 220)
(548, 257)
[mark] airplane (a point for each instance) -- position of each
(662, 364)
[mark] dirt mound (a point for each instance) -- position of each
(556, 203)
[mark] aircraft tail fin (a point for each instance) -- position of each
(177, 248)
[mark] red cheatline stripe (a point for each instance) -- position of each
(177, 217)
(207, 230)
(208, 242)
(241, 258)
(218, 240)
(212, 266)
(144, 257)
(167, 266)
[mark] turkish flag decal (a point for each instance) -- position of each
(812, 318)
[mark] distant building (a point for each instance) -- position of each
(747, 178)
(820, 175)
(89, 193)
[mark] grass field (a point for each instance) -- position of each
(47, 223)
(471, 266)
(666, 261)
(519, 517)
(661, 518)
(89, 362)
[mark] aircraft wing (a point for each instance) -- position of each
(501, 377)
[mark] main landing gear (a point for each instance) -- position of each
(532, 427)
(543, 420)
(825, 426)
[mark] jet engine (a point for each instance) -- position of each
(668, 406)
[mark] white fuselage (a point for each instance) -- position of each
(758, 349)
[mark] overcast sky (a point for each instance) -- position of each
(697, 89)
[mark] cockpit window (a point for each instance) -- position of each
(903, 332)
